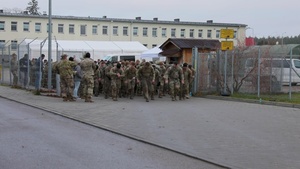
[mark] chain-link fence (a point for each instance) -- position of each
(20, 66)
(257, 70)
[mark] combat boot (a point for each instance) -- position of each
(65, 99)
(152, 96)
(89, 99)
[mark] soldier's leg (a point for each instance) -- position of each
(145, 90)
(171, 90)
(114, 91)
(89, 90)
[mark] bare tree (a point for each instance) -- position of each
(33, 7)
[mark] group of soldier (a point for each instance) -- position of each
(130, 78)
(118, 79)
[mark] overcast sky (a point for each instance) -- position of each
(264, 17)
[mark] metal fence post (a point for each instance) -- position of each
(258, 73)
(195, 65)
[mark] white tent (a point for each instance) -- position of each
(154, 54)
(98, 49)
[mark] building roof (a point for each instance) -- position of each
(181, 43)
(136, 20)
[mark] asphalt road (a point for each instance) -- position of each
(34, 139)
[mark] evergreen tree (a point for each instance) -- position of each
(33, 7)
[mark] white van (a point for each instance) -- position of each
(130, 57)
(280, 69)
(122, 57)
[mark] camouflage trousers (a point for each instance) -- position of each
(15, 77)
(88, 86)
(107, 87)
(174, 87)
(67, 87)
(147, 88)
(130, 87)
(96, 87)
(115, 88)
(162, 87)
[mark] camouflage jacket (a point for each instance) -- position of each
(65, 68)
(88, 67)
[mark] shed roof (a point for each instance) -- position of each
(183, 43)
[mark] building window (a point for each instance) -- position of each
(26, 26)
(14, 45)
(2, 25)
(154, 45)
(82, 29)
(60, 28)
(164, 32)
(146, 45)
(104, 30)
(154, 32)
(200, 33)
(71, 28)
(37, 27)
(51, 27)
(191, 33)
(145, 31)
(182, 33)
(173, 32)
(208, 33)
(234, 34)
(115, 30)
(94, 29)
(14, 26)
(218, 34)
(125, 31)
(135, 31)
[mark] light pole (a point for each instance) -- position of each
(49, 45)
(252, 31)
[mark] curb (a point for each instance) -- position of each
(264, 102)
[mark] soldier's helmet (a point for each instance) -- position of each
(147, 64)
(160, 63)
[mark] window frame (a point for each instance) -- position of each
(38, 27)
(26, 26)
(71, 28)
(145, 31)
(83, 30)
(60, 28)
(14, 24)
(2, 25)
(95, 29)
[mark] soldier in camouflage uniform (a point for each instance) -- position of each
(116, 74)
(101, 80)
(96, 81)
(187, 73)
(88, 68)
(146, 76)
(14, 69)
(162, 70)
(130, 76)
(174, 76)
(65, 69)
(107, 80)
(156, 81)
(191, 83)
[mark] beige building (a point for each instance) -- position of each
(14, 27)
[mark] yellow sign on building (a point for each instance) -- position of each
(227, 33)
(226, 45)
